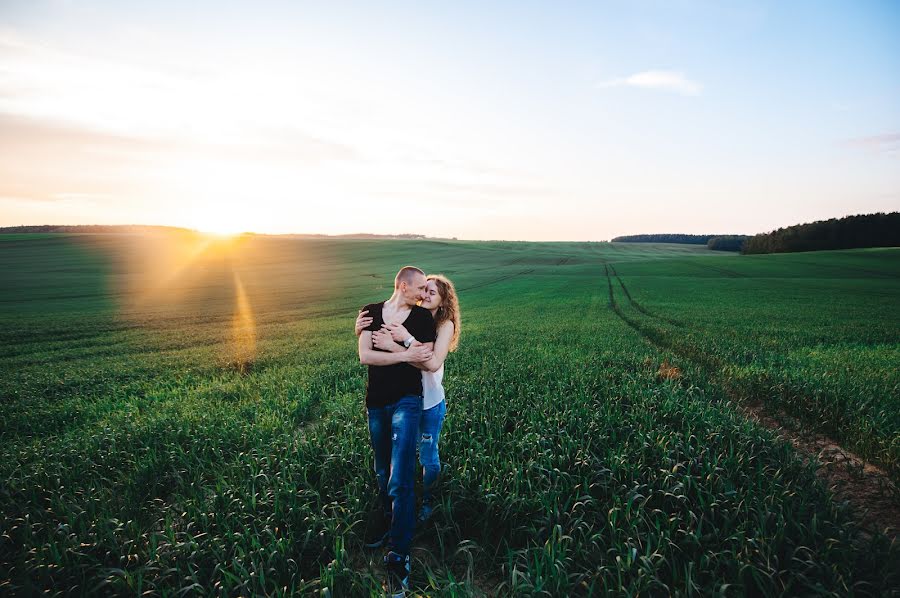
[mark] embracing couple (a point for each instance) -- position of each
(404, 341)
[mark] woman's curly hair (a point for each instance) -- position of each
(449, 309)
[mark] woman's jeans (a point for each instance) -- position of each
(393, 430)
(429, 433)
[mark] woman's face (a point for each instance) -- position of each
(432, 298)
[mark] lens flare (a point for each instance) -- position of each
(243, 329)
(185, 276)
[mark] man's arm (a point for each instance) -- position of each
(429, 347)
(369, 356)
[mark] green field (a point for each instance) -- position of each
(184, 416)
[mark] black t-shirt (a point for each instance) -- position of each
(390, 383)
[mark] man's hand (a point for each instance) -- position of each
(417, 354)
(363, 320)
(398, 332)
(381, 339)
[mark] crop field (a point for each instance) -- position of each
(184, 416)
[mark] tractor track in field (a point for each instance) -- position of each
(867, 488)
(640, 307)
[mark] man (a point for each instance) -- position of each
(394, 405)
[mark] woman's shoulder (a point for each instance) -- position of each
(444, 329)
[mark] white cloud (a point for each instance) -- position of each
(674, 81)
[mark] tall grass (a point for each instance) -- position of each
(136, 458)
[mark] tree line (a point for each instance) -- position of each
(727, 242)
(91, 228)
(150, 228)
(717, 242)
(863, 230)
(666, 238)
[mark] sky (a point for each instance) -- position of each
(502, 120)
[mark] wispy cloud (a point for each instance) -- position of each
(49, 161)
(887, 143)
(673, 81)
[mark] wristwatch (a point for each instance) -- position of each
(409, 341)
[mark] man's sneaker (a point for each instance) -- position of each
(377, 529)
(425, 513)
(397, 569)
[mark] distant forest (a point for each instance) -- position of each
(147, 228)
(864, 230)
(727, 242)
(672, 238)
(93, 228)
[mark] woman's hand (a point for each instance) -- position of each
(381, 339)
(398, 332)
(417, 354)
(363, 320)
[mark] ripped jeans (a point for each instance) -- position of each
(393, 430)
(429, 434)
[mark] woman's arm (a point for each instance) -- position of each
(381, 339)
(362, 321)
(398, 332)
(441, 349)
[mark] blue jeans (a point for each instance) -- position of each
(393, 430)
(429, 433)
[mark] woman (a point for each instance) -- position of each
(441, 300)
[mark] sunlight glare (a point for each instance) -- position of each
(243, 329)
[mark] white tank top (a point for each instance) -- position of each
(432, 388)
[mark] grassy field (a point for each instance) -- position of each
(813, 334)
(182, 416)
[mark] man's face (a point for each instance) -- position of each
(414, 290)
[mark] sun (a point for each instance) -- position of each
(221, 225)
(224, 232)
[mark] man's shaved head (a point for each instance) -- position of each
(407, 274)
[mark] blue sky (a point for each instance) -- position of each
(525, 120)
